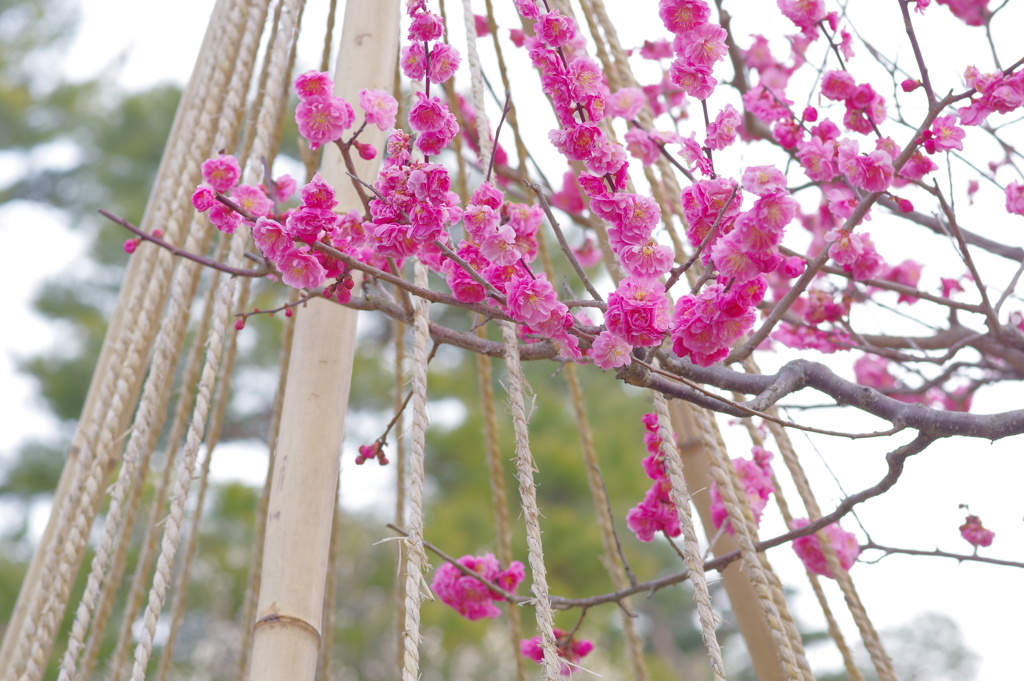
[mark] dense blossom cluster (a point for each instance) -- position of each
(568, 648)
(469, 596)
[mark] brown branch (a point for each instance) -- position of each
(146, 236)
(960, 557)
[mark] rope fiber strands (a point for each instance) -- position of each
(525, 467)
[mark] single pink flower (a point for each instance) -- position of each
(414, 61)
(531, 301)
(610, 351)
(625, 102)
(694, 79)
(499, 247)
(1015, 198)
(763, 180)
(838, 85)
(555, 29)
(680, 16)
(224, 219)
(444, 61)
(301, 269)
(314, 84)
(252, 199)
(722, 131)
(973, 531)
(309, 224)
(271, 238)
(222, 173)
(809, 550)
(427, 114)
(204, 198)
(380, 108)
(948, 135)
(803, 13)
(323, 119)
(425, 26)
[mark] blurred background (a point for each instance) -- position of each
(87, 94)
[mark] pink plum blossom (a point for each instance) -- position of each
(809, 550)
(380, 108)
(531, 301)
(1015, 198)
(625, 102)
(444, 61)
(976, 534)
(314, 84)
(722, 131)
(221, 173)
(323, 119)
(680, 16)
(555, 29)
(301, 269)
(610, 351)
(271, 238)
(569, 649)
(755, 476)
(467, 595)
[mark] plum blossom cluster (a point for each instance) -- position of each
(570, 649)
(874, 373)
(656, 513)
(467, 595)
(975, 533)
(743, 246)
(427, 58)
(755, 476)
(697, 43)
(808, 548)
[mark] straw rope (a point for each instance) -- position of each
(65, 548)
(499, 495)
(266, 130)
(737, 515)
(483, 129)
(252, 586)
(525, 467)
(416, 559)
(220, 404)
(151, 410)
(400, 464)
(833, 627)
(869, 635)
(612, 560)
(130, 369)
(774, 585)
(691, 548)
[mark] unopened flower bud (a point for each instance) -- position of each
(130, 245)
(158, 233)
(904, 204)
(288, 312)
(239, 323)
(366, 151)
(909, 85)
(810, 114)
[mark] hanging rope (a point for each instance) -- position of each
(398, 328)
(753, 565)
(833, 627)
(416, 589)
(691, 548)
(499, 495)
(869, 635)
(525, 467)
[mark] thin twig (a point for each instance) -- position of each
(562, 242)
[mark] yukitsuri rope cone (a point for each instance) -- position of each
(691, 548)
(525, 467)
(400, 488)
(156, 391)
(102, 442)
(416, 589)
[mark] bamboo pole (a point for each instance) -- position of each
(764, 654)
(287, 633)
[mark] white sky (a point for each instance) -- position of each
(160, 41)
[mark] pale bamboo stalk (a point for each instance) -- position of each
(301, 511)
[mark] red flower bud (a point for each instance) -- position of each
(905, 205)
(239, 323)
(810, 114)
(130, 245)
(909, 85)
